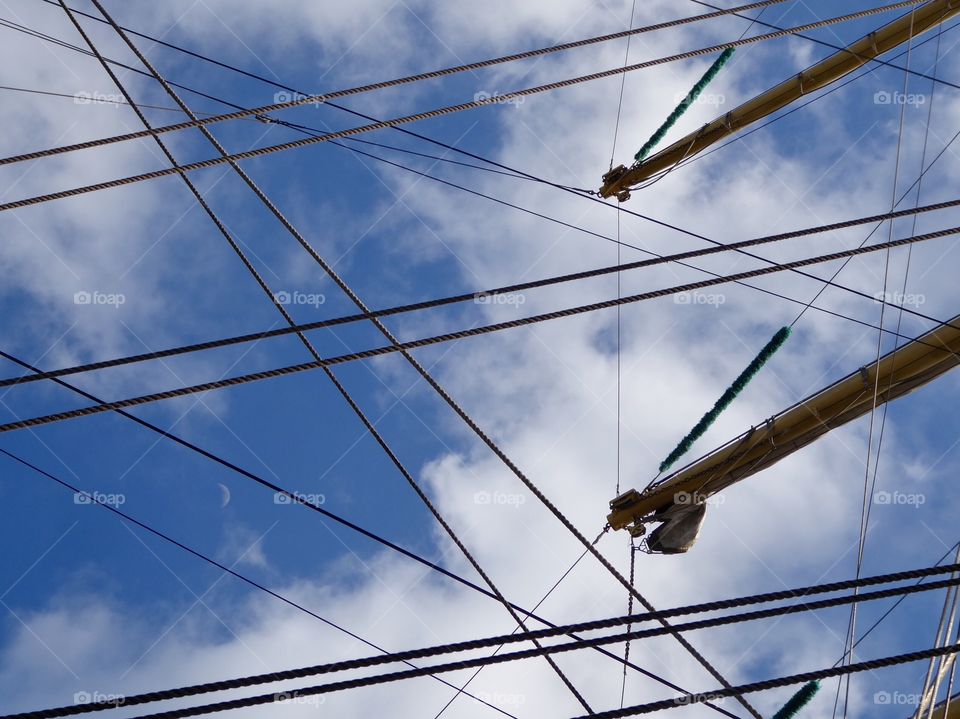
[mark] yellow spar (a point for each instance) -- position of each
(678, 502)
(618, 181)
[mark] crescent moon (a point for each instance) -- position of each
(226, 496)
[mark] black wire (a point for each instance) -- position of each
(579, 193)
(457, 647)
(93, 499)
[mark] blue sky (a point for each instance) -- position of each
(96, 606)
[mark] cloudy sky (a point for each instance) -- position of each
(94, 606)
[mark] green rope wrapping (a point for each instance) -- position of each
(775, 343)
(798, 701)
(684, 104)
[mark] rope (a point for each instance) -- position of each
(404, 347)
(906, 272)
(739, 384)
(434, 74)
(259, 152)
(437, 142)
(329, 270)
(369, 426)
(469, 154)
(483, 294)
(685, 103)
(773, 683)
(93, 499)
(868, 487)
(512, 171)
(294, 498)
(446, 397)
(320, 98)
(892, 607)
(274, 83)
(368, 662)
(297, 498)
(626, 645)
(613, 151)
(535, 608)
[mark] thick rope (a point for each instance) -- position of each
(367, 662)
(769, 683)
(368, 425)
(404, 347)
(93, 499)
(685, 103)
(738, 385)
(350, 132)
(433, 74)
(329, 270)
(297, 498)
(481, 295)
(379, 679)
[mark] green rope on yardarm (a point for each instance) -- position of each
(798, 701)
(775, 343)
(684, 104)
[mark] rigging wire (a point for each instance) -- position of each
(544, 598)
(762, 685)
(619, 325)
(93, 499)
(79, 99)
(504, 290)
(619, 208)
(443, 394)
(893, 607)
(469, 645)
(410, 133)
(368, 425)
(668, 225)
(297, 498)
(404, 347)
(867, 488)
(931, 682)
(379, 679)
(469, 67)
(439, 112)
(274, 83)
